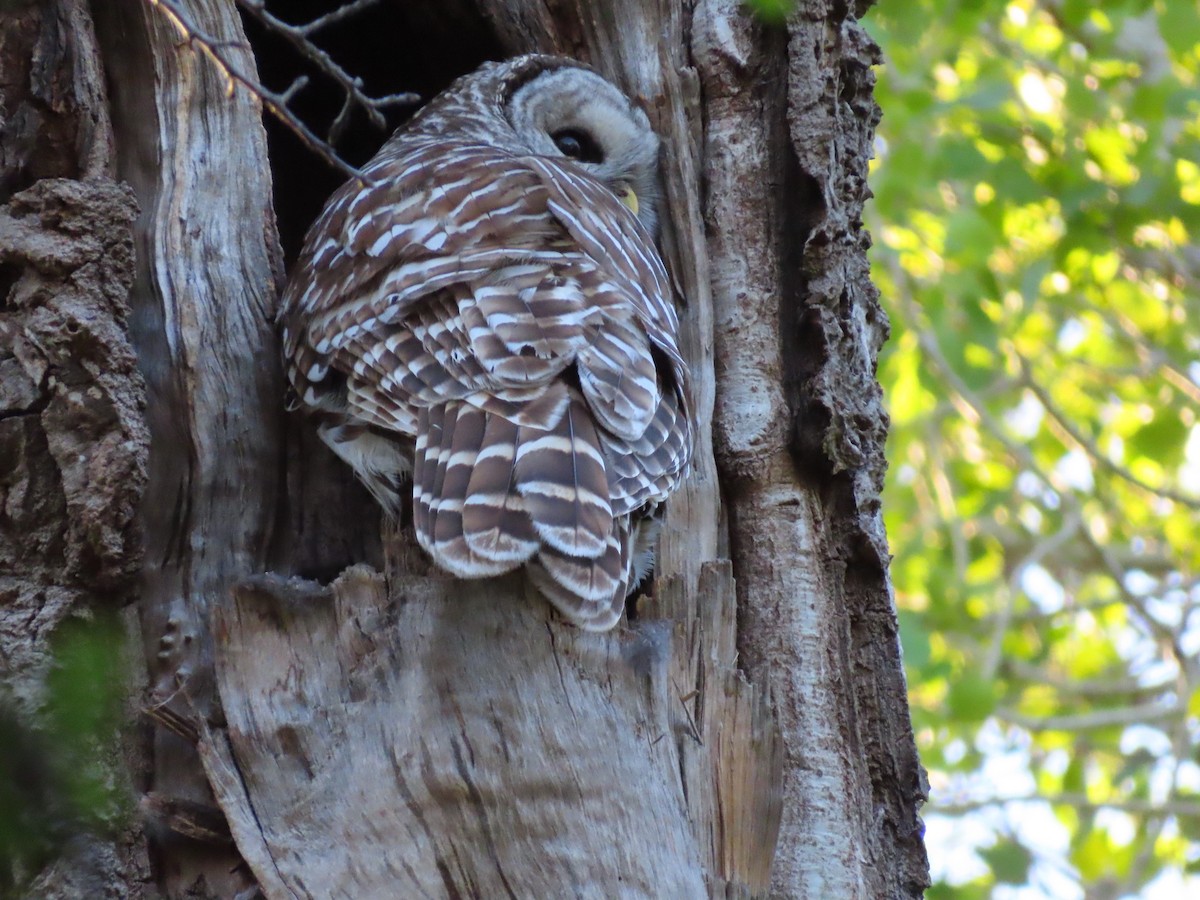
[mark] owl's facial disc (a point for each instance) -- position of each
(574, 113)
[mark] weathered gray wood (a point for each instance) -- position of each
(732, 753)
(475, 746)
(458, 740)
(209, 265)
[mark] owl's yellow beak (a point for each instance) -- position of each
(628, 196)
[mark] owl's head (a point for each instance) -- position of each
(557, 107)
(571, 111)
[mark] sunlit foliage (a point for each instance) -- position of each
(1036, 219)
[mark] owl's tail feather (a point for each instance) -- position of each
(590, 593)
(644, 470)
(562, 477)
(495, 522)
(490, 495)
(450, 439)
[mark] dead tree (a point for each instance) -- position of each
(393, 732)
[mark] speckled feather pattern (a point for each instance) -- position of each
(499, 321)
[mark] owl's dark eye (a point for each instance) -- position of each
(578, 145)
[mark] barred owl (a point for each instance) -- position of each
(485, 311)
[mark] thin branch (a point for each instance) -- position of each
(1072, 523)
(1176, 807)
(1077, 608)
(337, 15)
(1168, 638)
(1140, 714)
(1121, 685)
(1089, 447)
(1181, 749)
(352, 86)
(1153, 355)
(944, 495)
(1018, 542)
(277, 102)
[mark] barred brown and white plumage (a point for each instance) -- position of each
(486, 310)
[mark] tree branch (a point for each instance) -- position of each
(337, 15)
(1072, 523)
(1078, 801)
(1089, 447)
(1086, 687)
(277, 102)
(1102, 718)
(352, 86)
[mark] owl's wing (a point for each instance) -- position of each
(648, 454)
(447, 297)
(409, 237)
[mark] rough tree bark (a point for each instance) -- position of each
(73, 439)
(395, 733)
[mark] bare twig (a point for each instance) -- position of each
(277, 102)
(1139, 714)
(1016, 543)
(1117, 686)
(1072, 523)
(352, 86)
(1078, 801)
(337, 15)
(1168, 638)
(1181, 749)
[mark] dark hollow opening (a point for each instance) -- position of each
(394, 46)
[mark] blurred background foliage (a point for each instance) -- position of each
(1037, 202)
(60, 770)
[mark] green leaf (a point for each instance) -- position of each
(1180, 26)
(1162, 438)
(1009, 862)
(971, 698)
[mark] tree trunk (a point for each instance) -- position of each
(73, 440)
(403, 734)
